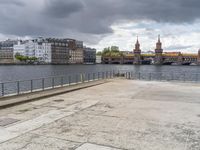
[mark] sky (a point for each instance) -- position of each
(103, 23)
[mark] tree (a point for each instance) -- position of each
(25, 58)
(114, 49)
(99, 54)
(106, 51)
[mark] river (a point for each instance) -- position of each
(26, 72)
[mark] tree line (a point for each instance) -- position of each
(110, 51)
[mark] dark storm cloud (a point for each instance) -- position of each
(62, 8)
(11, 2)
(89, 17)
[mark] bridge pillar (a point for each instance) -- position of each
(180, 59)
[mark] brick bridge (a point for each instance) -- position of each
(159, 57)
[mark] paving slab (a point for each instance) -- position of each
(122, 114)
(88, 146)
(36, 142)
(29, 125)
(7, 121)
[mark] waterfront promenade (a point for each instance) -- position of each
(117, 115)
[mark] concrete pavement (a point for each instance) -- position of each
(118, 115)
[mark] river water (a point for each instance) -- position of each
(23, 72)
(17, 79)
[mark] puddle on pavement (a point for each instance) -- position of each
(59, 100)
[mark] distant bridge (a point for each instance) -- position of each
(168, 59)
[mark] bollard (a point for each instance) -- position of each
(62, 81)
(52, 82)
(43, 84)
(77, 79)
(69, 78)
(18, 88)
(2, 89)
(81, 76)
(31, 85)
(93, 76)
(88, 77)
(150, 76)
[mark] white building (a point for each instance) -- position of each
(19, 49)
(98, 59)
(43, 52)
(38, 48)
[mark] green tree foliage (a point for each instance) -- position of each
(99, 54)
(25, 58)
(112, 51)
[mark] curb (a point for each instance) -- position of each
(20, 99)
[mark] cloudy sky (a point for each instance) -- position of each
(102, 23)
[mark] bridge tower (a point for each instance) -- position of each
(180, 58)
(198, 58)
(158, 52)
(137, 53)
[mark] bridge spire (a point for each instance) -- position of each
(137, 45)
(137, 40)
(159, 38)
(159, 44)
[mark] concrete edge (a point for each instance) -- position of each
(24, 98)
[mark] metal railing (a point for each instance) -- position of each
(164, 76)
(41, 84)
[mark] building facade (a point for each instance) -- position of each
(6, 51)
(43, 51)
(6, 56)
(89, 55)
(39, 48)
(46, 51)
(76, 52)
(98, 59)
(59, 51)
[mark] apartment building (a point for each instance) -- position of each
(76, 53)
(59, 51)
(89, 55)
(6, 51)
(38, 48)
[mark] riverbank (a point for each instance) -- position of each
(119, 115)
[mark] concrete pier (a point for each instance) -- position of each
(118, 115)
